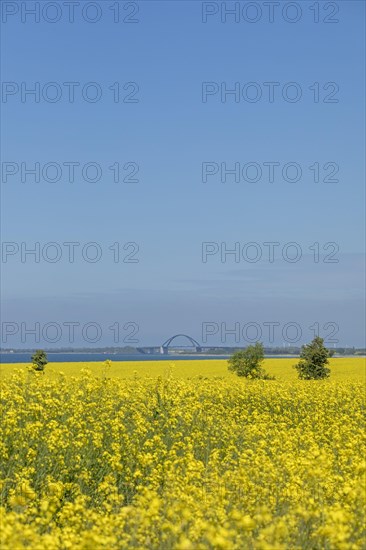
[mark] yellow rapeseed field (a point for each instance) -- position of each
(188, 457)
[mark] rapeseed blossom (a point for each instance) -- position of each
(165, 463)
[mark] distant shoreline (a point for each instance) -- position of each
(73, 357)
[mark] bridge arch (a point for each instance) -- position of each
(193, 342)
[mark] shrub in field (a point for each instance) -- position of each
(313, 361)
(248, 362)
(39, 360)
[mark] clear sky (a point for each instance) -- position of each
(175, 134)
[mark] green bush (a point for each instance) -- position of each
(39, 360)
(313, 361)
(248, 363)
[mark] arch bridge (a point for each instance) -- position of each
(164, 348)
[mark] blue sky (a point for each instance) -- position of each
(169, 133)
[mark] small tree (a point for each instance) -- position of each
(248, 362)
(39, 359)
(313, 361)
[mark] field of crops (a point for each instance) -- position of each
(189, 457)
